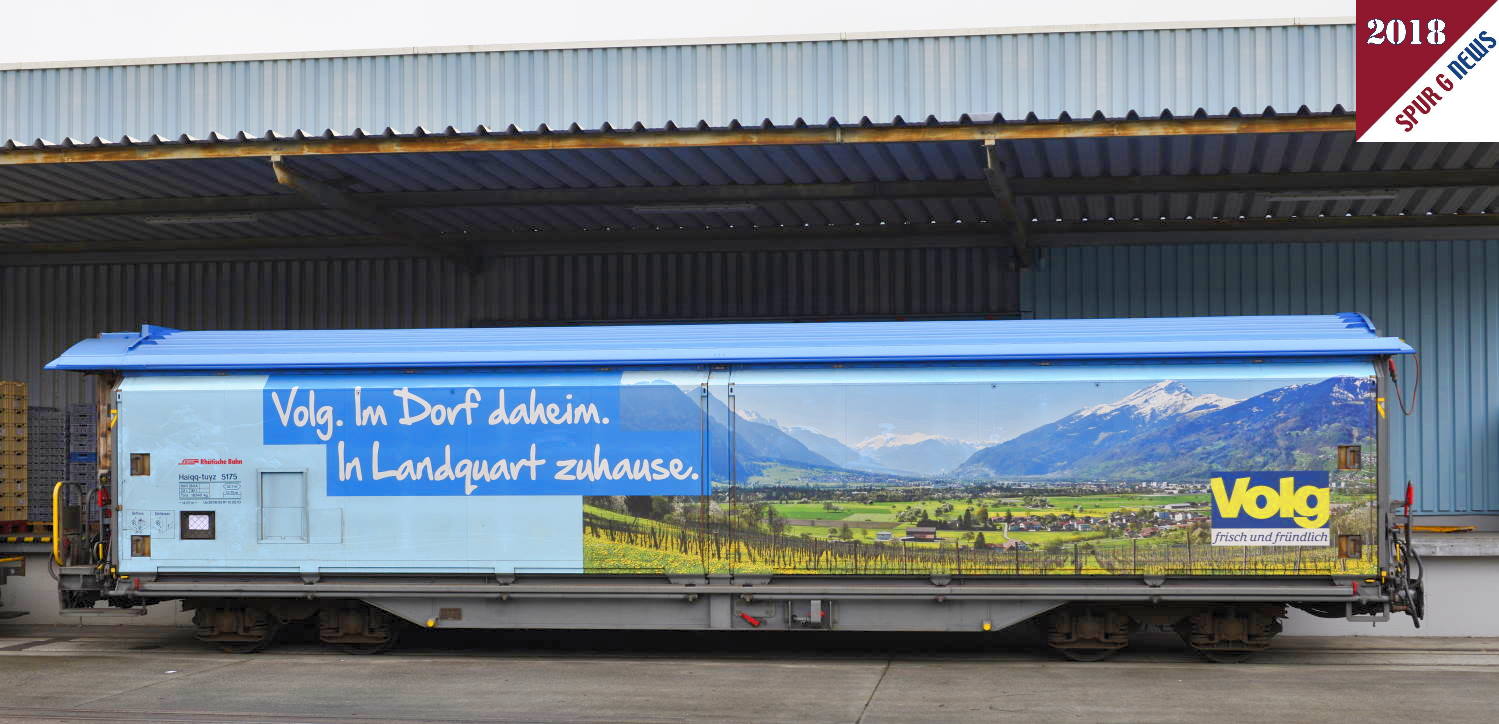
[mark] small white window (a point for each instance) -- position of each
(197, 525)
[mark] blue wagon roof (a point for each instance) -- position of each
(161, 348)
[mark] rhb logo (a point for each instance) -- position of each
(1271, 499)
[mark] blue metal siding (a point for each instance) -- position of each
(1440, 296)
(1046, 73)
(45, 309)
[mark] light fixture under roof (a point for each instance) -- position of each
(202, 218)
(14, 224)
(1290, 197)
(695, 209)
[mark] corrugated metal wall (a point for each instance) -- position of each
(1046, 73)
(44, 309)
(1441, 296)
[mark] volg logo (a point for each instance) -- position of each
(1308, 505)
(1271, 507)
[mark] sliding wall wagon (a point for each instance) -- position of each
(877, 476)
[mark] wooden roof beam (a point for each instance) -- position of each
(676, 138)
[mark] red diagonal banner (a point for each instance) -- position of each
(1412, 58)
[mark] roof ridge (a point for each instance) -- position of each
(976, 341)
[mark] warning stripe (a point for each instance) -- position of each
(26, 539)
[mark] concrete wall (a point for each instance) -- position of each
(36, 593)
(1460, 595)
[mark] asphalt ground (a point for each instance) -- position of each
(140, 674)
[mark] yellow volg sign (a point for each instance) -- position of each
(1309, 505)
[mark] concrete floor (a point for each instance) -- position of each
(52, 673)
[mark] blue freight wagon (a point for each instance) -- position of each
(1204, 473)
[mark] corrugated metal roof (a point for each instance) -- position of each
(1229, 154)
(1030, 163)
(158, 348)
(310, 134)
(1111, 71)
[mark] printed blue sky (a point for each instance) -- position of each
(967, 411)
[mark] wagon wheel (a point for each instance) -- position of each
(1087, 654)
(372, 649)
(1222, 656)
(272, 628)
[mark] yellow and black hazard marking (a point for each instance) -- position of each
(25, 539)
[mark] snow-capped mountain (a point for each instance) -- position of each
(916, 452)
(834, 450)
(1055, 447)
(1162, 399)
(1292, 427)
(757, 443)
(1168, 433)
(887, 453)
(752, 416)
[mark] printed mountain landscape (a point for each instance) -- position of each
(918, 452)
(889, 453)
(759, 441)
(1160, 432)
(1055, 448)
(1165, 432)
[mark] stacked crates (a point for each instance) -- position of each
(83, 452)
(13, 488)
(83, 444)
(47, 458)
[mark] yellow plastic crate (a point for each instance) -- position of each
(13, 396)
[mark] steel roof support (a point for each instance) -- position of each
(1256, 182)
(1021, 188)
(1008, 221)
(390, 227)
(1043, 235)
